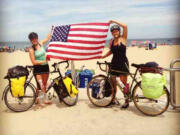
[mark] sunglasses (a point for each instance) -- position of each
(34, 40)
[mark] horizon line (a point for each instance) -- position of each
(110, 38)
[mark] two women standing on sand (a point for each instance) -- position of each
(117, 47)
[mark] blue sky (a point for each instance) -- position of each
(145, 18)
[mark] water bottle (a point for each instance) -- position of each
(120, 82)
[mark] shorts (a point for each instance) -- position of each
(41, 69)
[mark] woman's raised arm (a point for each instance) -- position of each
(124, 26)
(44, 41)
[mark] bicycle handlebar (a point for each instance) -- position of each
(105, 63)
(55, 64)
(30, 67)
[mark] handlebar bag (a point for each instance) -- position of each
(153, 85)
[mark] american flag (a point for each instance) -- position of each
(78, 41)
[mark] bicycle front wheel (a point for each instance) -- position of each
(23, 103)
(64, 96)
(70, 101)
(150, 107)
(100, 91)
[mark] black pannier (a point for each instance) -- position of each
(151, 67)
(17, 71)
(151, 64)
(107, 88)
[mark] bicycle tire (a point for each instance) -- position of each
(70, 101)
(64, 96)
(161, 102)
(13, 107)
(100, 102)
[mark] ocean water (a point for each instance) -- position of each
(24, 44)
(17, 44)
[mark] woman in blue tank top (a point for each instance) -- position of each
(119, 60)
(37, 55)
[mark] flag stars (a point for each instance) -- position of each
(60, 33)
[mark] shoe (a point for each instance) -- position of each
(45, 100)
(125, 105)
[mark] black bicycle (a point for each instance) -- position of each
(23, 103)
(101, 92)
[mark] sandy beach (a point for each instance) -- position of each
(84, 118)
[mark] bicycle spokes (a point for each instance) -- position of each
(150, 106)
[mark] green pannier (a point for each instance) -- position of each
(153, 85)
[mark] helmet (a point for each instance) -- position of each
(115, 27)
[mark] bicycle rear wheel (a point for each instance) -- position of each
(150, 107)
(20, 104)
(99, 96)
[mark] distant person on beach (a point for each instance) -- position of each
(37, 55)
(155, 45)
(150, 46)
(119, 62)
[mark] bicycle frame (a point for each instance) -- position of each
(133, 76)
(30, 78)
(59, 78)
(56, 70)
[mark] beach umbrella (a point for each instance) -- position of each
(133, 42)
(147, 42)
(6, 47)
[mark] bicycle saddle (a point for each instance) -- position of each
(137, 65)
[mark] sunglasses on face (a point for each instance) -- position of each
(34, 40)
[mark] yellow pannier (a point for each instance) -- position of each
(17, 86)
(72, 90)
